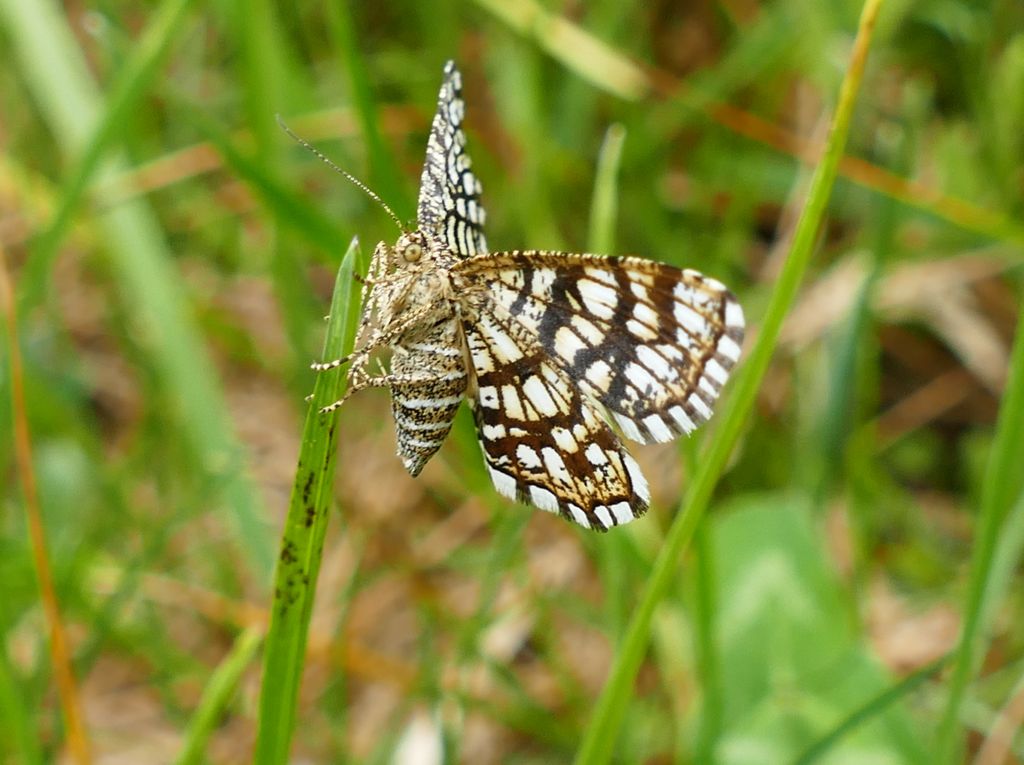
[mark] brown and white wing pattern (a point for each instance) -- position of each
(449, 207)
(653, 343)
(551, 349)
(544, 442)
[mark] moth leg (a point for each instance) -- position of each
(323, 366)
(380, 339)
(378, 381)
(359, 380)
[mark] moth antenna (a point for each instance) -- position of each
(347, 175)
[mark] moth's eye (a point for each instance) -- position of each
(412, 253)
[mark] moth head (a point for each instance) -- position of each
(410, 248)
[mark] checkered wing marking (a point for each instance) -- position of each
(544, 442)
(449, 204)
(652, 343)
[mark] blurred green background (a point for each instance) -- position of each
(173, 253)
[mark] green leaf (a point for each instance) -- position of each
(302, 540)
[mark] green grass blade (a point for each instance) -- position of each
(385, 176)
(272, 81)
(1002, 485)
(873, 707)
(130, 85)
(613, 552)
(601, 732)
(590, 58)
(707, 651)
(604, 207)
(142, 267)
(217, 694)
(16, 721)
(303, 537)
(264, 67)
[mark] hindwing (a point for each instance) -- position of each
(543, 441)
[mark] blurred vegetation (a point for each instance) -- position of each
(173, 254)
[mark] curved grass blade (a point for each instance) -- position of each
(384, 173)
(1001, 488)
(302, 539)
(599, 737)
(613, 552)
(130, 85)
(61, 653)
(142, 269)
(874, 706)
(604, 204)
(217, 694)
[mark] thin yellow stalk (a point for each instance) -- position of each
(60, 653)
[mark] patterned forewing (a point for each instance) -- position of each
(543, 442)
(652, 343)
(449, 208)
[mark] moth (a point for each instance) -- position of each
(553, 351)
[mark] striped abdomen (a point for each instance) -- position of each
(430, 379)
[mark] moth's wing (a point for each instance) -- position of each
(544, 442)
(653, 343)
(449, 204)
